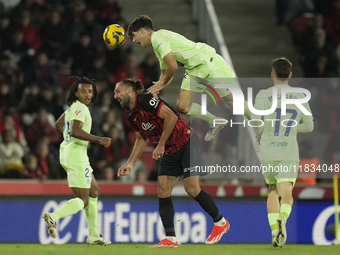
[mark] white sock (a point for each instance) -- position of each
(171, 238)
(221, 222)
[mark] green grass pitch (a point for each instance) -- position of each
(141, 249)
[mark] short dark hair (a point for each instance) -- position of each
(137, 86)
(282, 68)
(142, 21)
(74, 88)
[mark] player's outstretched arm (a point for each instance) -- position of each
(60, 123)
(78, 133)
(166, 75)
(137, 150)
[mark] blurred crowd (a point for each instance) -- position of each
(315, 30)
(42, 44)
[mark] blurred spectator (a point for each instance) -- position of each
(111, 120)
(323, 6)
(99, 112)
(19, 51)
(320, 67)
(329, 104)
(320, 46)
(333, 24)
(89, 25)
(11, 153)
(98, 70)
(30, 32)
(296, 7)
(308, 162)
(151, 71)
(29, 104)
(141, 175)
(129, 69)
(49, 100)
(116, 57)
(55, 35)
(7, 74)
(42, 72)
(32, 170)
(7, 99)
(31, 7)
(306, 39)
(83, 54)
(118, 150)
(5, 29)
(40, 127)
(64, 72)
(46, 162)
(107, 174)
(109, 13)
(8, 124)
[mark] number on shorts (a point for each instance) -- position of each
(87, 173)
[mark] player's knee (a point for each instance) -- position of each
(192, 191)
(182, 108)
(86, 202)
(95, 193)
(163, 192)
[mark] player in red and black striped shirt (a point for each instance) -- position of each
(178, 148)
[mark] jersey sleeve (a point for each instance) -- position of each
(79, 112)
(150, 104)
(161, 48)
(306, 118)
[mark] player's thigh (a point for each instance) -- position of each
(185, 99)
(191, 159)
(79, 176)
(268, 169)
(288, 171)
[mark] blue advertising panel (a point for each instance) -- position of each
(133, 221)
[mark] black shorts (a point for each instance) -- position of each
(184, 161)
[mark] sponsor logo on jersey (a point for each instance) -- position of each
(78, 112)
(147, 126)
(154, 102)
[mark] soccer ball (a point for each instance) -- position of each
(114, 36)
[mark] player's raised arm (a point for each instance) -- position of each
(60, 123)
(78, 133)
(167, 74)
(137, 150)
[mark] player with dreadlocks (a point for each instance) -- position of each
(75, 124)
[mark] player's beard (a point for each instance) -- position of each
(125, 102)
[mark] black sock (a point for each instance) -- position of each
(208, 204)
(167, 212)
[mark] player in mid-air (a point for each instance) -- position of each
(202, 64)
(179, 151)
(75, 124)
(279, 147)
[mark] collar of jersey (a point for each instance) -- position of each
(134, 107)
(282, 85)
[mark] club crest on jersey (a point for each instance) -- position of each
(78, 112)
(147, 126)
